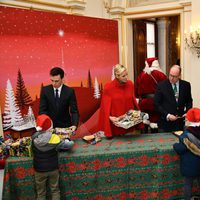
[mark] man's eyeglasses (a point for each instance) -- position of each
(173, 76)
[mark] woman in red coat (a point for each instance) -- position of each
(118, 97)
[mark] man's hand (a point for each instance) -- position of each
(184, 115)
(171, 117)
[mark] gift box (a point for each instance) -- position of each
(21, 147)
(4, 147)
(94, 138)
(132, 118)
(177, 133)
(63, 132)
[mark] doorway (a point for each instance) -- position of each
(167, 42)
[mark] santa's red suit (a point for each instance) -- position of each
(145, 87)
(117, 99)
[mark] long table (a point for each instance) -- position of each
(129, 167)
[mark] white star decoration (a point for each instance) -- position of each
(61, 33)
(34, 44)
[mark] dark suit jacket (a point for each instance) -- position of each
(165, 103)
(67, 112)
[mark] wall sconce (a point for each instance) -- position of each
(192, 39)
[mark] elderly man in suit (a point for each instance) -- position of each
(172, 100)
(58, 101)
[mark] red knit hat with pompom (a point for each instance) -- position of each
(43, 122)
(193, 115)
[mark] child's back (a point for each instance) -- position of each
(189, 150)
(45, 158)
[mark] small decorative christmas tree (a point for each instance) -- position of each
(30, 118)
(12, 115)
(22, 97)
(96, 89)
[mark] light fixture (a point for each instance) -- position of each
(192, 40)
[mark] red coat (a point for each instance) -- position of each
(146, 84)
(116, 100)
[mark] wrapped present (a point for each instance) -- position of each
(21, 147)
(94, 138)
(132, 118)
(25, 146)
(4, 153)
(63, 132)
(1, 153)
(177, 133)
(4, 147)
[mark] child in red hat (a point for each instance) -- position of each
(45, 146)
(189, 150)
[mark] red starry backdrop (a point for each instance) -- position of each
(32, 42)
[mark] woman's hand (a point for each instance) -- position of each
(114, 119)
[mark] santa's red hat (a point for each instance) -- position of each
(193, 115)
(149, 61)
(151, 64)
(43, 123)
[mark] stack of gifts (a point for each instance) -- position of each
(4, 147)
(20, 147)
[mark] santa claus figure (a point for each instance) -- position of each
(145, 88)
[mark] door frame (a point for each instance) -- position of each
(181, 9)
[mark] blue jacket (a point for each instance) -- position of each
(189, 153)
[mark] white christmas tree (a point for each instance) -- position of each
(113, 74)
(31, 117)
(96, 89)
(12, 115)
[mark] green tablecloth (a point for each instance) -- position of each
(129, 167)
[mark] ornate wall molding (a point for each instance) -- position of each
(115, 7)
(66, 6)
(133, 3)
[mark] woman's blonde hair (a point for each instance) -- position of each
(118, 69)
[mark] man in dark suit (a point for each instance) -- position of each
(172, 100)
(58, 101)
